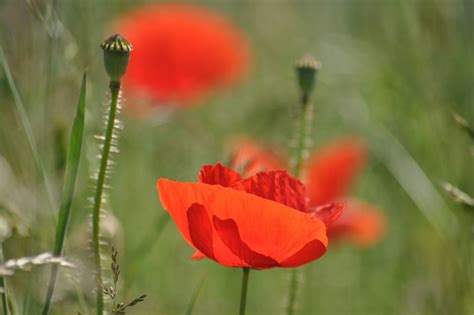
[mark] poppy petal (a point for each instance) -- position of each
(198, 255)
(331, 171)
(267, 227)
(329, 213)
(252, 158)
(200, 229)
(177, 203)
(218, 175)
(278, 186)
(228, 231)
(311, 251)
(360, 223)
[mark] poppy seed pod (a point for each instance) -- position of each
(116, 56)
(307, 67)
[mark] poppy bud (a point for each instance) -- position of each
(307, 67)
(116, 56)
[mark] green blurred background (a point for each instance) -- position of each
(393, 72)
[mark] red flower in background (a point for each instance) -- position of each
(260, 222)
(328, 174)
(181, 53)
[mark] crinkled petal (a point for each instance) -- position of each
(278, 186)
(331, 170)
(218, 175)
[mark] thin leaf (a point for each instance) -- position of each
(27, 128)
(151, 237)
(194, 297)
(72, 165)
(3, 286)
(405, 169)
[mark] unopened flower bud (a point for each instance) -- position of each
(116, 56)
(306, 68)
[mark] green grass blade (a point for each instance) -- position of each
(194, 297)
(72, 165)
(3, 285)
(27, 128)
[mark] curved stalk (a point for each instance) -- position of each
(114, 90)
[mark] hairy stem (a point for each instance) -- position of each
(302, 138)
(303, 128)
(114, 89)
(243, 292)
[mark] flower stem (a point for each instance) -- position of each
(243, 292)
(114, 89)
(302, 135)
(302, 138)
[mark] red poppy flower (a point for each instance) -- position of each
(329, 174)
(181, 53)
(259, 222)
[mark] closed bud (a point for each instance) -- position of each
(116, 56)
(306, 68)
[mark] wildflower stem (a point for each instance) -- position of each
(292, 293)
(243, 292)
(302, 138)
(114, 90)
(302, 132)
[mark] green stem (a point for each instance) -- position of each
(302, 138)
(114, 89)
(292, 293)
(243, 292)
(3, 286)
(302, 135)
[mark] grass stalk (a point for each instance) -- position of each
(194, 297)
(3, 285)
(25, 122)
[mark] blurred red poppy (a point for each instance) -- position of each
(181, 53)
(328, 175)
(260, 222)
